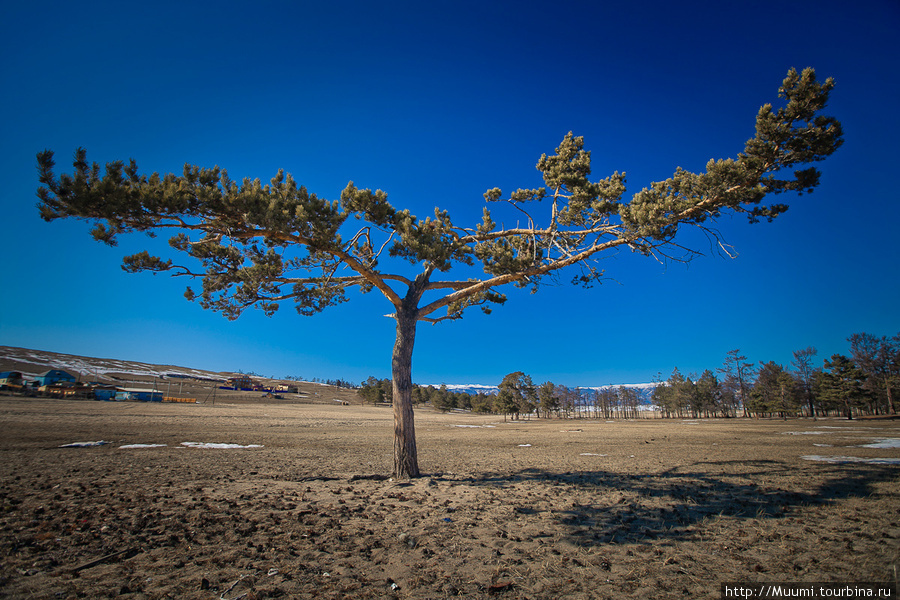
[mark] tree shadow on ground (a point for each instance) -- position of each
(639, 508)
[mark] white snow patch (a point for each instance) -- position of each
(883, 443)
(85, 444)
(219, 446)
(804, 432)
(132, 446)
(823, 445)
(852, 459)
(91, 366)
(591, 454)
(524, 445)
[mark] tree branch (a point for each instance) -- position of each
(480, 286)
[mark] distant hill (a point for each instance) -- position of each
(34, 362)
(179, 381)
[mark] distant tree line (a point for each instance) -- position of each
(341, 383)
(863, 382)
(379, 391)
(332, 382)
(519, 398)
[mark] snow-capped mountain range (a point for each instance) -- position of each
(644, 389)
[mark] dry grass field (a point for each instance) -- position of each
(534, 509)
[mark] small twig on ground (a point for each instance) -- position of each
(233, 585)
(102, 559)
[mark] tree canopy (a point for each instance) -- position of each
(260, 245)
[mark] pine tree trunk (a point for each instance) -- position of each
(406, 462)
(890, 396)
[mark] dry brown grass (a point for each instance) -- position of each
(539, 509)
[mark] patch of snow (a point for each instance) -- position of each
(90, 366)
(84, 444)
(823, 445)
(219, 446)
(883, 443)
(852, 459)
(132, 446)
(524, 445)
(591, 454)
(804, 432)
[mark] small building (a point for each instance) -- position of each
(11, 379)
(67, 389)
(105, 392)
(286, 387)
(241, 382)
(54, 376)
(138, 395)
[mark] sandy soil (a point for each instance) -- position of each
(539, 509)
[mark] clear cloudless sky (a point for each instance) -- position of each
(436, 102)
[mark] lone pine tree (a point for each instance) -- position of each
(260, 245)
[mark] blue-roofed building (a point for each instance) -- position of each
(105, 392)
(54, 376)
(138, 395)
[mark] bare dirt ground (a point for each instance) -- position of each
(539, 509)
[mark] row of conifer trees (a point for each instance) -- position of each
(863, 382)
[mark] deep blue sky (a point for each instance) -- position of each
(435, 102)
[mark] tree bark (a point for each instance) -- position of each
(406, 462)
(890, 396)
